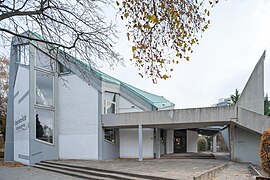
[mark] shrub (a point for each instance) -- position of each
(265, 151)
(202, 144)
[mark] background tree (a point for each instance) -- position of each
(163, 32)
(77, 27)
(4, 64)
(234, 97)
(266, 106)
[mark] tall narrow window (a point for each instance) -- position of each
(23, 54)
(44, 125)
(44, 88)
(44, 61)
(110, 103)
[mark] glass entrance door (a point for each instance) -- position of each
(180, 141)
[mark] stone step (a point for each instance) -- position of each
(188, 156)
(98, 172)
(81, 171)
(70, 173)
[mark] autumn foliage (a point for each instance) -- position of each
(265, 151)
(163, 32)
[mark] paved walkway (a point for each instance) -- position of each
(184, 169)
(30, 173)
(235, 171)
(169, 168)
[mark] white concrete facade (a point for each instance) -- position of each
(21, 116)
(78, 119)
(192, 139)
(129, 143)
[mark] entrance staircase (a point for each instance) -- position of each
(188, 156)
(86, 172)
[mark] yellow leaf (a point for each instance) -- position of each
(154, 19)
(165, 76)
(133, 48)
(126, 15)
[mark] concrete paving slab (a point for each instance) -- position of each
(30, 173)
(168, 168)
(235, 171)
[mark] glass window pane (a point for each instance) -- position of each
(44, 125)
(110, 135)
(110, 96)
(110, 108)
(23, 54)
(44, 89)
(44, 61)
(63, 69)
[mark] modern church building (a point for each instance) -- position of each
(62, 108)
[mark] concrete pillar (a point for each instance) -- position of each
(169, 141)
(232, 139)
(214, 144)
(140, 139)
(157, 143)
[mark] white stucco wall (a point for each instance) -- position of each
(169, 141)
(77, 119)
(129, 143)
(126, 106)
(21, 116)
(192, 138)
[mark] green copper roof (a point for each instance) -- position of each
(157, 101)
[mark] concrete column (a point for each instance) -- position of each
(140, 139)
(232, 139)
(169, 141)
(157, 143)
(214, 144)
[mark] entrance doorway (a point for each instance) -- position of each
(180, 137)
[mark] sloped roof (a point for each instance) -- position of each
(157, 101)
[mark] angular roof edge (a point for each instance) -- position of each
(158, 102)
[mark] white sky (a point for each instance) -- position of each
(222, 62)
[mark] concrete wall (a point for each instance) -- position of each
(111, 150)
(126, 106)
(129, 143)
(169, 141)
(192, 138)
(225, 135)
(78, 119)
(247, 146)
(21, 116)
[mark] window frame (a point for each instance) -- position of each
(35, 125)
(115, 136)
(53, 90)
(40, 68)
(106, 107)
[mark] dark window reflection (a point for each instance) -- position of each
(44, 125)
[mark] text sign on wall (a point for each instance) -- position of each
(20, 124)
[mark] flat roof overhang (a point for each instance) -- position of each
(172, 119)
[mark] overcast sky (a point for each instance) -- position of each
(222, 62)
